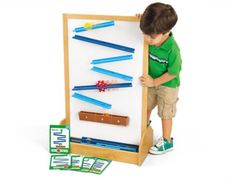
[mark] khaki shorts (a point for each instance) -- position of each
(165, 99)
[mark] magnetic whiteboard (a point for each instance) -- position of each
(124, 101)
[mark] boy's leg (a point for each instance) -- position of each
(151, 102)
(166, 128)
(167, 98)
(166, 101)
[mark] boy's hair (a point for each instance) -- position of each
(158, 18)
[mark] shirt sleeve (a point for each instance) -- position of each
(174, 63)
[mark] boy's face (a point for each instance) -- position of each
(156, 39)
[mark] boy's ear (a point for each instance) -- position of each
(167, 33)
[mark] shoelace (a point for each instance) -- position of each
(160, 142)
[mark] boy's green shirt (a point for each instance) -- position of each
(165, 58)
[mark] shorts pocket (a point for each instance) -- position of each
(167, 110)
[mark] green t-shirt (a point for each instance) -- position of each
(165, 58)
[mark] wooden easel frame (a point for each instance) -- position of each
(146, 134)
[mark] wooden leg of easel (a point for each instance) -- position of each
(145, 144)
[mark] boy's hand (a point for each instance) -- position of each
(147, 81)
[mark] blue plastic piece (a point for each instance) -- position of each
(120, 85)
(92, 87)
(85, 87)
(107, 142)
(95, 26)
(112, 73)
(110, 144)
(75, 140)
(104, 24)
(92, 101)
(112, 59)
(115, 147)
(103, 43)
(80, 29)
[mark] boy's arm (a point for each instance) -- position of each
(173, 69)
(148, 81)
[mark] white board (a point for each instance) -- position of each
(124, 101)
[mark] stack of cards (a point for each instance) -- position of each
(79, 163)
(60, 144)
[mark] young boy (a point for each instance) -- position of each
(164, 67)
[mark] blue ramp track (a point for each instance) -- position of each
(95, 26)
(109, 86)
(92, 101)
(104, 43)
(112, 73)
(112, 59)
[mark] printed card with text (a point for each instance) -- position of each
(61, 162)
(87, 163)
(59, 139)
(99, 166)
(76, 162)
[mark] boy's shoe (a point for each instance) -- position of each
(161, 147)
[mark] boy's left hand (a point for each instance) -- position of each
(147, 81)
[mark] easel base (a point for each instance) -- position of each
(116, 155)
